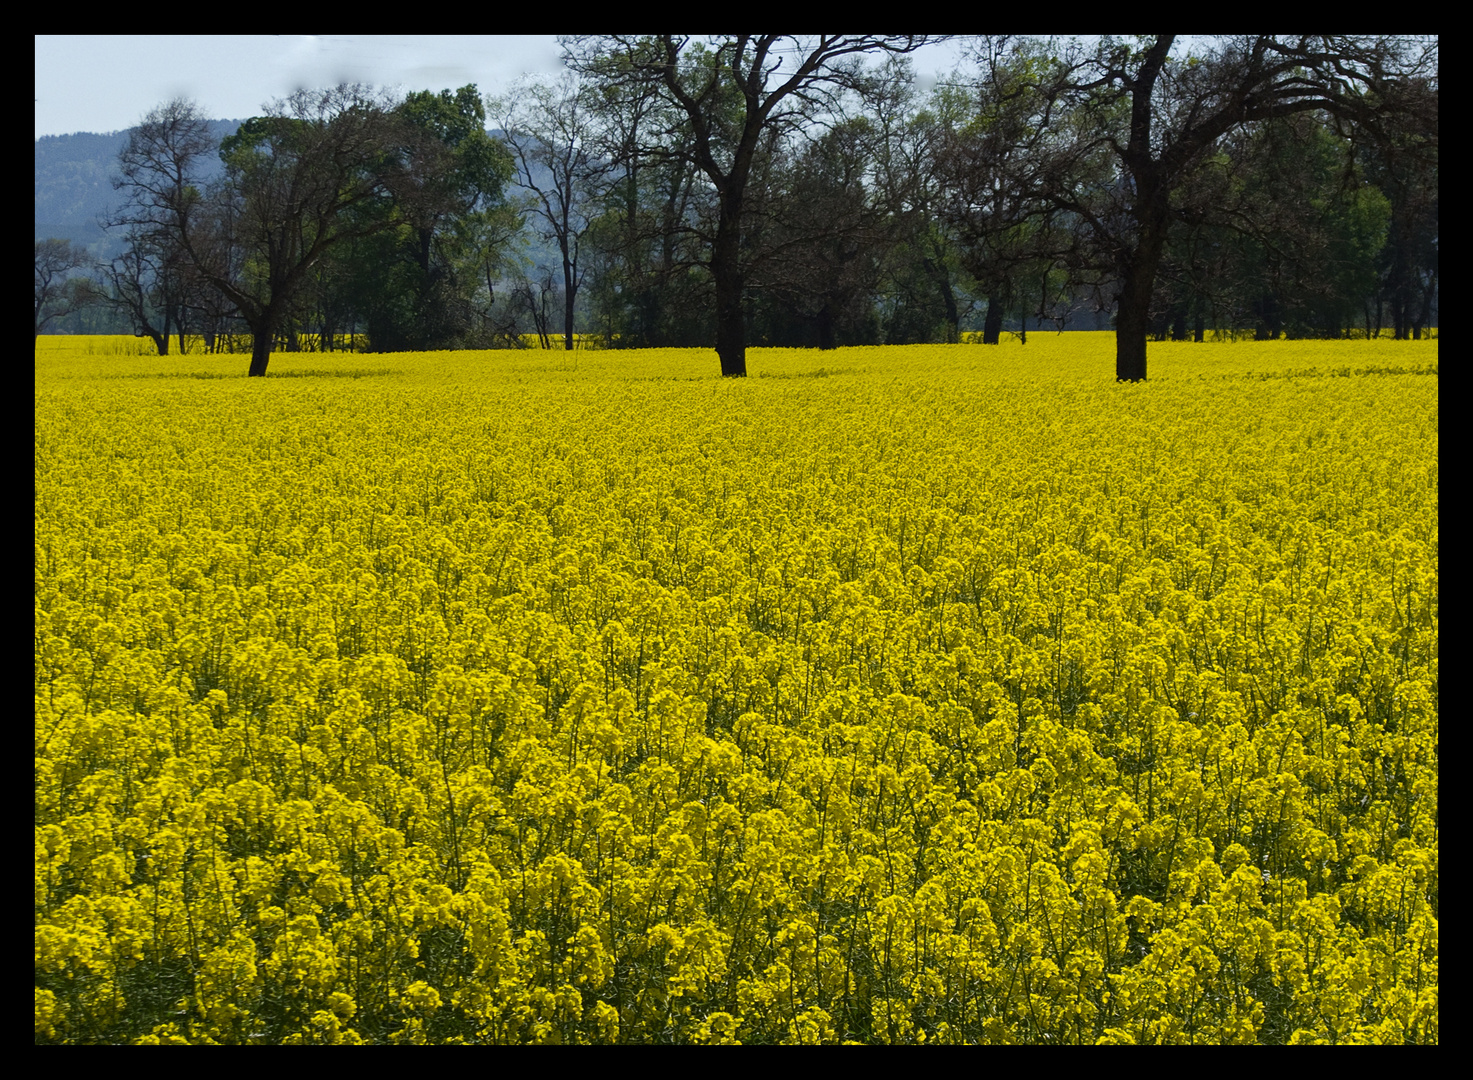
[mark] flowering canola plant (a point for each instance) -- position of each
(918, 694)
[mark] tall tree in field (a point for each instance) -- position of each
(730, 91)
(1308, 264)
(146, 290)
(821, 239)
(549, 129)
(161, 171)
(293, 178)
(649, 286)
(1400, 154)
(1005, 165)
(414, 278)
(921, 294)
(1156, 115)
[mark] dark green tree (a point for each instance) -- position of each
(820, 243)
(415, 268)
(1277, 230)
(1398, 150)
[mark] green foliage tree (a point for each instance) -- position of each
(415, 268)
(1277, 231)
(1109, 135)
(335, 204)
(299, 181)
(1398, 149)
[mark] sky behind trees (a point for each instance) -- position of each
(102, 82)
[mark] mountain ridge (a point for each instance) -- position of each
(74, 183)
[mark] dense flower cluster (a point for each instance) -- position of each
(932, 694)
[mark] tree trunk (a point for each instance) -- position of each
(568, 298)
(1423, 318)
(1133, 318)
(1179, 324)
(731, 327)
(1130, 341)
(731, 330)
(1269, 323)
(1149, 189)
(937, 270)
(826, 330)
(953, 318)
(992, 325)
(260, 351)
(263, 335)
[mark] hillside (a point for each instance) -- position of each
(74, 187)
(74, 182)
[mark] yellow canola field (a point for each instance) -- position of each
(925, 694)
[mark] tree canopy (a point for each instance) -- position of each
(672, 190)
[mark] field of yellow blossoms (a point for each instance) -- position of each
(895, 695)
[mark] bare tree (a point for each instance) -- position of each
(139, 288)
(550, 131)
(59, 291)
(998, 158)
(921, 263)
(647, 240)
(161, 170)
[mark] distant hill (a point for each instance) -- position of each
(74, 186)
(74, 182)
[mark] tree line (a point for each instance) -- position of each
(760, 189)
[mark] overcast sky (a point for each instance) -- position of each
(106, 83)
